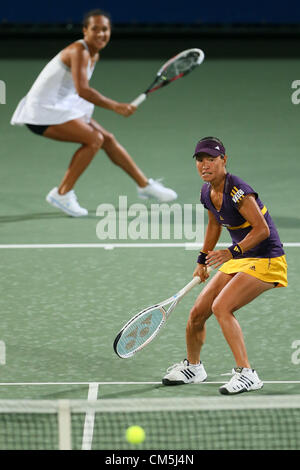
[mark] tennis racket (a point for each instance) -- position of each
(144, 326)
(174, 68)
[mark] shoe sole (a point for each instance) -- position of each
(56, 204)
(224, 391)
(173, 382)
(179, 382)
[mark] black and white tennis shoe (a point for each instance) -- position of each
(184, 373)
(243, 380)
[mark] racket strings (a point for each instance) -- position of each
(139, 331)
(180, 66)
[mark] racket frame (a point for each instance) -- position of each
(174, 300)
(142, 97)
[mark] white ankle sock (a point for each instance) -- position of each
(195, 365)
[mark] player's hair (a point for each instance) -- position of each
(97, 12)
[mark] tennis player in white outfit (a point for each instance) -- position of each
(60, 106)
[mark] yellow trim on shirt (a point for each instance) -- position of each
(246, 224)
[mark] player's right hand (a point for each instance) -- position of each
(125, 109)
(201, 271)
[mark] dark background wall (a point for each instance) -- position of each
(168, 11)
(148, 30)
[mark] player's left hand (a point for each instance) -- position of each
(218, 257)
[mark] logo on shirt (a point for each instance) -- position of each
(237, 194)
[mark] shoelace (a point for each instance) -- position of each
(235, 376)
(158, 182)
(177, 366)
(241, 379)
(74, 199)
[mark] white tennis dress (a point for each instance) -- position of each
(53, 98)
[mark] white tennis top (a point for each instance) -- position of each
(53, 99)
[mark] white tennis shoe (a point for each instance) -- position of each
(66, 202)
(184, 373)
(243, 380)
(156, 190)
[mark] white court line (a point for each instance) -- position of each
(2, 384)
(111, 246)
(88, 429)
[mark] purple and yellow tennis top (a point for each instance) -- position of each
(235, 189)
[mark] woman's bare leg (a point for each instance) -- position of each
(201, 311)
(119, 155)
(241, 290)
(81, 132)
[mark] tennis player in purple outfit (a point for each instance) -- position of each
(253, 264)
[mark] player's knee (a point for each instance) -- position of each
(109, 140)
(197, 318)
(217, 308)
(97, 141)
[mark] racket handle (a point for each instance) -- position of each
(188, 287)
(196, 280)
(139, 100)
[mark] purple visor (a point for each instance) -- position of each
(210, 147)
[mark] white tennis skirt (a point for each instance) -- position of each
(72, 107)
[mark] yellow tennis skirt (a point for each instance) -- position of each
(266, 269)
